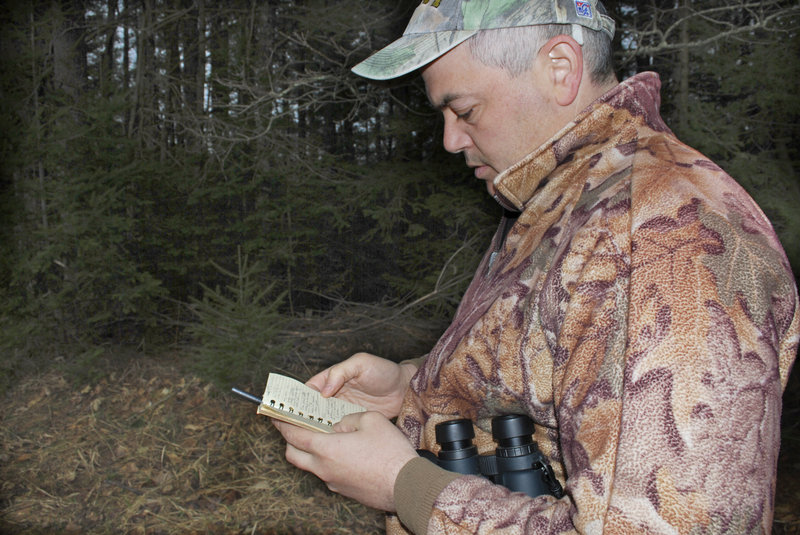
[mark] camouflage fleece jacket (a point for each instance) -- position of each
(642, 311)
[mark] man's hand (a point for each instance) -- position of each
(360, 460)
(372, 382)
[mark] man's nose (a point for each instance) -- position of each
(455, 140)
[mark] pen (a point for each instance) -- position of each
(247, 396)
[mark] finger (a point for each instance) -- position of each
(348, 424)
(334, 378)
(299, 458)
(359, 421)
(351, 421)
(318, 381)
(295, 435)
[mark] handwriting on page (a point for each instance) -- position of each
(292, 396)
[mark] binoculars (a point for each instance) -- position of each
(517, 463)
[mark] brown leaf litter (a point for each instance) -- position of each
(149, 450)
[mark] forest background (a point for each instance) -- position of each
(191, 172)
(209, 180)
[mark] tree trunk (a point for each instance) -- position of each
(200, 86)
(190, 39)
(107, 62)
(145, 66)
(69, 48)
(170, 82)
(220, 97)
(683, 71)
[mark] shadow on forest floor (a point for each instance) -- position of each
(151, 449)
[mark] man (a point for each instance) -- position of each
(635, 303)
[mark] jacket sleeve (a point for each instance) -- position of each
(418, 485)
(670, 362)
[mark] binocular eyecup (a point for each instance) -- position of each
(516, 464)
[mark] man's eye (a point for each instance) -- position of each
(464, 115)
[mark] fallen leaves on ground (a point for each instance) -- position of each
(150, 450)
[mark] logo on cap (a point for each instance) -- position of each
(583, 9)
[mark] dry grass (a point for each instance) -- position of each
(150, 450)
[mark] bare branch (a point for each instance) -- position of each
(764, 15)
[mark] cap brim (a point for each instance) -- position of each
(409, 53)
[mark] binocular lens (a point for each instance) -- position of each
(512, 430)
(455, 434)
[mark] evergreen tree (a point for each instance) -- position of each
(144, 142)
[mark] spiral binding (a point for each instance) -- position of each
(282, 407)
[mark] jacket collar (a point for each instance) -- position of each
(594, 128)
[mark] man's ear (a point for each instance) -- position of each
(564, 67)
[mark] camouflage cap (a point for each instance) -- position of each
(438, 26)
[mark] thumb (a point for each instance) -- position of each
(333, 379)
(325, 383)
(349, 423)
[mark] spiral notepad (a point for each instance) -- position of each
(291, 401)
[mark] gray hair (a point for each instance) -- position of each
(514, 49)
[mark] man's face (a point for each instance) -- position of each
(491, 117)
